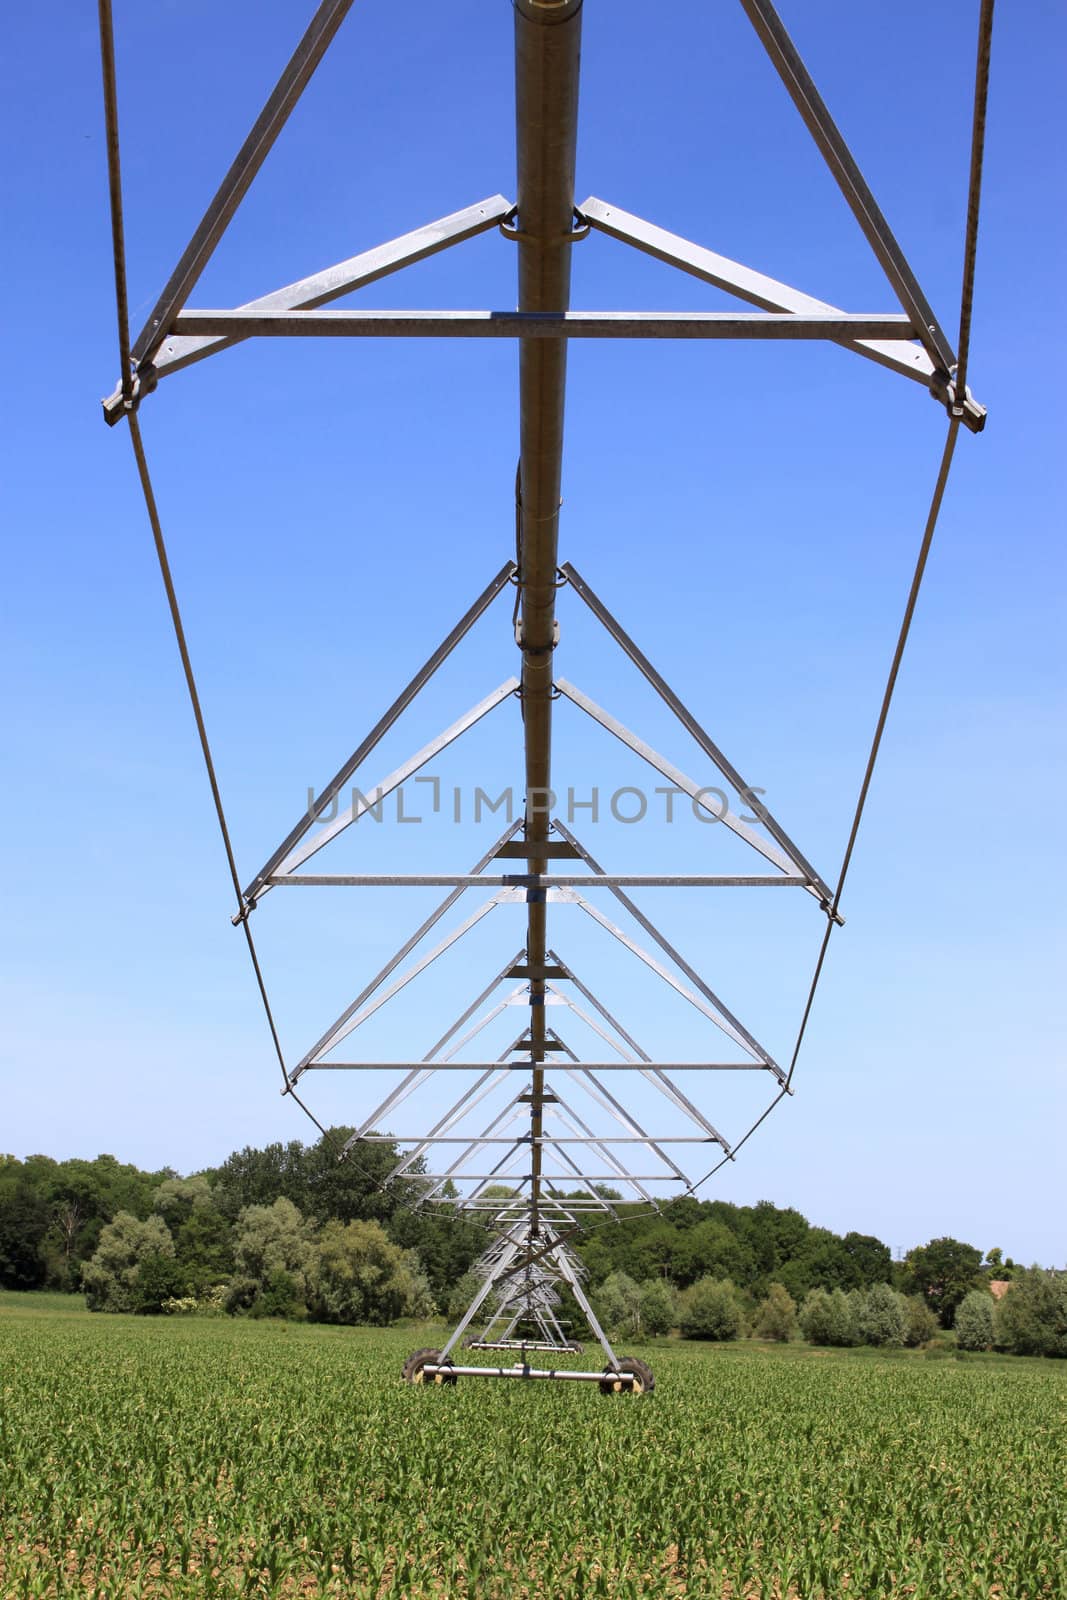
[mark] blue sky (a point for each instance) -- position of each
(751, 513)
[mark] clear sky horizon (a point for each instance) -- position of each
(750, 512)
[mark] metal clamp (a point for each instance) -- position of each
(545, 650)
(580, 232)
(968, 410)
(143, 381)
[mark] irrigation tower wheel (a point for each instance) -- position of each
(643, 1383)
(413, 1368)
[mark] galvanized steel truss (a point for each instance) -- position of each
(560, 1138)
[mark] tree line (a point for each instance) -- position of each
(1030, 1320)
(290, 1230)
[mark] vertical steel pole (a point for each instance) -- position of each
(547, 42)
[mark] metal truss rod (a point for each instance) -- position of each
(696, 792)
(524, 1066)
(653, 1074)
(490, 1016)
(570, 1119)
(767, 293)
(897, 355)
(563, 1208)
(266, 128)
(320, 288)
(343, 1028)
(707, 1008)
(418, 1074)
(602, 1096)
(530, 326)
(400, 955)
(563, 1262)
(790, 67)
(656, 1076)
(548, 1140)
(601, 1009)
(574, 1174)
(473, 1142)
(532, 880)
(381, 791)
(583, 1016)
(733, 1027)
(508, 1255)
(499, 1175)
(381, 728)
(690, 724)
(482, 1086)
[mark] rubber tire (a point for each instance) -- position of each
(643, 1383)
(412, 1370)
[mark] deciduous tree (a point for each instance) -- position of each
(974, 1321)
(943, 1272)
(710, 1309)
(360, 1276)
(124, 1273)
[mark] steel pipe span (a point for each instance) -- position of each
(547, 59)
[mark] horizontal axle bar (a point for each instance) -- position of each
(625, 1378)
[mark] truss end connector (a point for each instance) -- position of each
(835, 916)
(776, 1072)
(247, 908)
(968, 411)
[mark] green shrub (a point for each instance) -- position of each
(920, 1324)
(882, 1318)
(1031, 1319)
(828, 1319)
(618, 1304)
(777, 1316)
(658, 1309)
(710, 1310)
(974, 1321)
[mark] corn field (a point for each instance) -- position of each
(218, 1458)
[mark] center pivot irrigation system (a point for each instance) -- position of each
(560, 1128)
